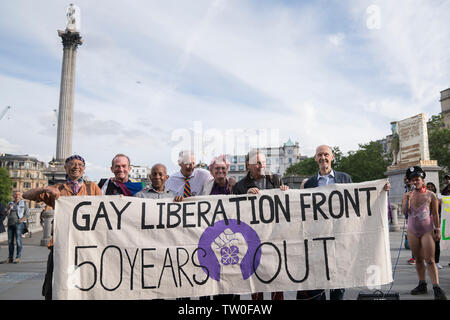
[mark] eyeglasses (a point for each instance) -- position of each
(74, 164)
(220, 168)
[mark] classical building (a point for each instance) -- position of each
(237, 166)
(445, 106)
(25, 172)
(278, 159)
(140, 173)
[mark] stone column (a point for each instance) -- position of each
(47, 216)
(394, 218)
(71, 40)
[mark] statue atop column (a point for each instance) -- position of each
(73, 18)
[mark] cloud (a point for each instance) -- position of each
(409, 47)
(318, 75)
(336, 39)
(8, 147)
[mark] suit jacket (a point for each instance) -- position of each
(272, 182)
(339, 177)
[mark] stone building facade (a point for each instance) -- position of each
(278, 159)
(445, 106)
(26, 172)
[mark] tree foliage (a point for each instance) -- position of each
(305, 167)
(5, 186)
(439, 142)
(368, 163)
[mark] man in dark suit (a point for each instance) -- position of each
(324, 157)
(255, 180)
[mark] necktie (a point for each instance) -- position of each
(187, 188)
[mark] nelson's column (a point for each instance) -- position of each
(71, 39)
(55, 173)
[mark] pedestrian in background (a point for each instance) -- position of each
(17, 212)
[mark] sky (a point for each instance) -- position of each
(220, 76)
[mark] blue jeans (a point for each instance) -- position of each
(15, 231)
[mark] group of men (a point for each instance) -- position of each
(188, 181)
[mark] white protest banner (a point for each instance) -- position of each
(445, 223)
(112, 247)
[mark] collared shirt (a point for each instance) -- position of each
(151, 193)
(326, 179)
(176, 182)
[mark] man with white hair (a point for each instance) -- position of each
(327, 175)
(189, 180)
(324, 157)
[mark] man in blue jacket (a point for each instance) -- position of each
(324, 157)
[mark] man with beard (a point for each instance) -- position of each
(258, 179)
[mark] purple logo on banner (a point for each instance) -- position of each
(229, 244)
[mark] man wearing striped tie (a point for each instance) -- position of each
(189, 180)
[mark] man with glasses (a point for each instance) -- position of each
(189, 180)
(75, 185)
(258, 179)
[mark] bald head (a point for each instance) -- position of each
(324, 157)
(158, 176)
